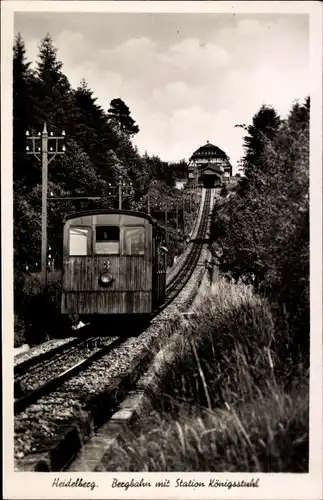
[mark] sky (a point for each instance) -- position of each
(187, 78)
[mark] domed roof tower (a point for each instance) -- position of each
(209, 150)
(209, 165)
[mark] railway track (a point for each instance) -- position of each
(42, 358)
(185, 272)
(53, 383)
(45, 361)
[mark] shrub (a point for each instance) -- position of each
(38, 312)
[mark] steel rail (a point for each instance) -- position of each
(182, 277)
(31, 397)
(52, 358)
(43, 357)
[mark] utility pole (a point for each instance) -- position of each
(43, 158)
(177, 219)
(121, 191)
(148, 204)
(166, 235)
(44, 161)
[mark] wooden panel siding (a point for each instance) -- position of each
(131, 289)
(129, 273)
(106, 302)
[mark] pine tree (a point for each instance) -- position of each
(86, 103)
(53, 90)
(23, 172)
(21, 73)
(89, 119)
(299, 115)
(119, 114)
(93, 132)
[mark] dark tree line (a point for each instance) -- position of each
(261, 233)
(99, 149)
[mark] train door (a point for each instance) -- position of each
(159, 269)
(155, 273)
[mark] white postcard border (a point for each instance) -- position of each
(271, 486)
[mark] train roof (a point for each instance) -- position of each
(132, 213)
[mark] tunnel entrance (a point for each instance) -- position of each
(210, 182)
(210, 178)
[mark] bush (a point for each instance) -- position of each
(19, 331)
(37, 313)
(224, 191)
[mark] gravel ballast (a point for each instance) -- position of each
(103, 384)
(43, 374)
(40, 349)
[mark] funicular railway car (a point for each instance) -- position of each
(114, 264)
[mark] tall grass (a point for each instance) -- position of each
(224, 402)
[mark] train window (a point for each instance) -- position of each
(79, 241)
(107, 240)
(134, 240)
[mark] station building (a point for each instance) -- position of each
(209, 166)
